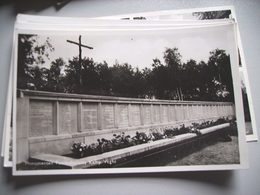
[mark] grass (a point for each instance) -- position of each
(216, 153)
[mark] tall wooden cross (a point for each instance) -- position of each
(80, 57)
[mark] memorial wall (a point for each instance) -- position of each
(52, 122)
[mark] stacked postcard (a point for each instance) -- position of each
(144, 92)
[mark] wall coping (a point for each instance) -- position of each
(44, 95)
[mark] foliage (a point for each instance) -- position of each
(221, 14)
(171, 79)
(122, 140)
(32, 54)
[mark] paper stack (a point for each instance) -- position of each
(143, 92)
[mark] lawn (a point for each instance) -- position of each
(217, 153)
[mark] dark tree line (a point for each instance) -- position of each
(209, 15)
(171, 79)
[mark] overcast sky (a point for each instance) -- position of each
(139, 48)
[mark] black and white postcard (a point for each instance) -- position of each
(58, 24)
(127, 100)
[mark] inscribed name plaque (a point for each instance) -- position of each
(179, 112)
(41, 118)
(204, 113)
(123, 115)
(172, 113)
(156, 114)
(199, 112)
(108, 116)
(212, 114)
(196, 111)
(223, 110)
(216, 110)
(164, 113)
(136, 115)
(68, 117)
(89, 112)
(185, 111)
(189, 112)
(207, 111)
(147, 114)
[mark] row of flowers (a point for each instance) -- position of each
(122, 140)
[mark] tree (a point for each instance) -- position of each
(55, 77)
(105, 78)
(37, 78)
(96, 77)
(122, 80)
(30, 55)
(221, 14)
(90, 77)
(220, 72)
(204, 81)
(190, 80)
(160, 80)
(70, 79)
(172, 59)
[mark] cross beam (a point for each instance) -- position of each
(80, 45)
(80, 57)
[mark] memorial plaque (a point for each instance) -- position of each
(190, 114)
(123, 115)
(147, 114)
(217, 110)
(213, 110)
(164, 113)
(89, 116)
(208, 111)
(136, 115)
(108, 116)
(156, 114)
(204, 113)
(41, 118)
(220, 110)
(196, 111)
(223, 110)
(185, 111)
(68, 117)
(229, 109)
(179, 112)
(172, 113)
(226, 109)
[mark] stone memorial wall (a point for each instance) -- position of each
(51, 122)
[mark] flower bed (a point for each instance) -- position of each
(119, 141)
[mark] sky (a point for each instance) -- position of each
(139, 48)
